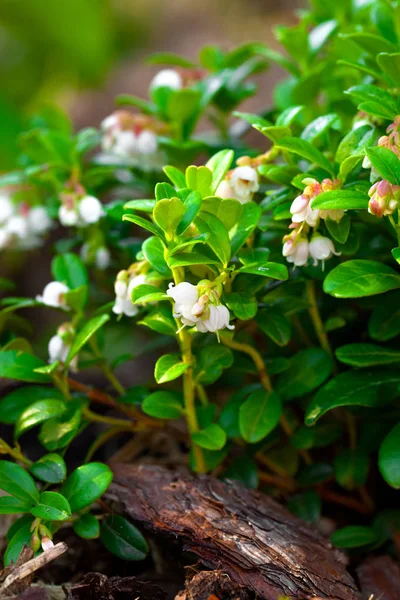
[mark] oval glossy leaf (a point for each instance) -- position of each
(354, 536)
(386, 163)
(52, 507)
(212, 437)
(163, 405)
(248, 221)
(389, 457)
(243, 305)
(307, 370)
(87, 527)
(37, 413)
(153, 250)
(169, 367)
(219, 165)
(13, 404)
(275, 325)
(305, 150)
(86, 484)
(384, 323)
(145, 224)
(15, 545)
(168, 214)
(123, 539)
(84, 335)
(259, 415)
(367, 355)
(340, 200)
(358, 278)
(14, 506)
(51, 468)
(218, 239)
(339, 230)
(16, 481)
(58, 432)
(144, 293)
(210, 363)
(69, 269)
(21, 366)
(352, 388)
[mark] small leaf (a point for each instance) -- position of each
(69, 269)
(145, 224)
(259, 415)
(52, 507)
(219, 164)
(353, 536)
(386, 163)
(176, 176)
(243, 305)
(358, 278)
(218, 239)
(84, 335)
(16, 481)
(210, 363)
(367, 355)
(58, 432)
(86, 484)
(307, 370)
(13, 404)
(21, 538)
(200, 179)
(307, 151)
(266, 269)
(160, 320)
(163, 405)
(21, 366)
(87, 527)
(340, 200)
(51, 468)
(319, 126)
(144, 293)
(36, 413)
(123, 539)
(339, 230)
(14, 506)
(169, 367)
(384, 323)
(275, 325)
(389, 457)
(168, 214)
(247, 223)
(212, 437)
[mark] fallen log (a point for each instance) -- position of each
(244, 533)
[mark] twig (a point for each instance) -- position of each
(33, 565)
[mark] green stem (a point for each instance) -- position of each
(108, 373)
(92, 416)
(316, 318)
(185, 344)
(14, 453)
(202, 394)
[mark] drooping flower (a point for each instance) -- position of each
(301, 208)
(125, 282)
(295, 249)
(46, 543)
(204, 310)
(169, 78)
(384, 198)
(54, 295)
(321, 248)
(79, 210)
(240, 184)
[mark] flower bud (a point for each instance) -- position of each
(167, 78)
(54, 295)
(384, 198)
(90, 210)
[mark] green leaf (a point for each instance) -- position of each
(192, 207)
(69, 269)
(52, 507)
(153, 250)
(36, 413)
(76, 299)
(306, 506)
(15, 545)
(21, 366)
(123, 539)
(275, 133)
(13, 404)
(247, 223)
(376, 109)
(176, 176)
(212, 437)
(386, 163)
(245, 470)
(163, 405)
(210, 363)
(218, 236)
(243, 305)
(84, 335)
(219, 164)
(307, 370)
(367, 355)
(371, 43)
(358, 278)
(390, 65)
(252, 119)
(86, 484)
(16, 481)
(168, 213)
(14, 506)
(164, 191)
(351, 468)
(145, 224)
(144, 293)
(87, 527)
(259, 415)
(146, 206)
(169, 367)
(51, 468)
(384, 323)
(319, 436)
(353, 536)
(58, 432)
(286, 118)
(275, 325)
(352, 388)
(200, 179)
(319, 126)
(185, 259)
(389, 457)
(339, 230)
(340, 200)
(160, 320)
(373, 93)
(307, 151)
(266, 269)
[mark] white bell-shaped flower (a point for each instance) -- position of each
(6, 208)
(321, 248)
(90, 210)
(38, 220)
(244, 182)
(125, 144)
(224, 190)
(58, 349)
(68, 217)
(296, 253)
(185, 296)
(218, 318)
(147, 142)
(167, 78)
(17, 226)
(123, 287)
(54, 295)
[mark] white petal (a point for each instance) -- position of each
(147, 142)
(55, 348)
(67, 217)
(167, 78)
(6, 208)
(53, 294)
(38, 219)
(90, 209)
(224, 190)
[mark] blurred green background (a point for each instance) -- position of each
(81, 53)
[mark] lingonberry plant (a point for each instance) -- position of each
(266, 281)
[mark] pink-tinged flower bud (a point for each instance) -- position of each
(47, 543)
(299, 204)
(384, 198)
(321, 248)
(90, 210)
(54, 295)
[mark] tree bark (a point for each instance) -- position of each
(244, 533)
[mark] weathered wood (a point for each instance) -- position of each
(212, 585)
(258, 543)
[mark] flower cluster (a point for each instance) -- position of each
(79, 209)
(133, 137)
(297, 248)
(22, 226)
(384, 198)
(199, 305)
(240, 184)
(125, 282)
